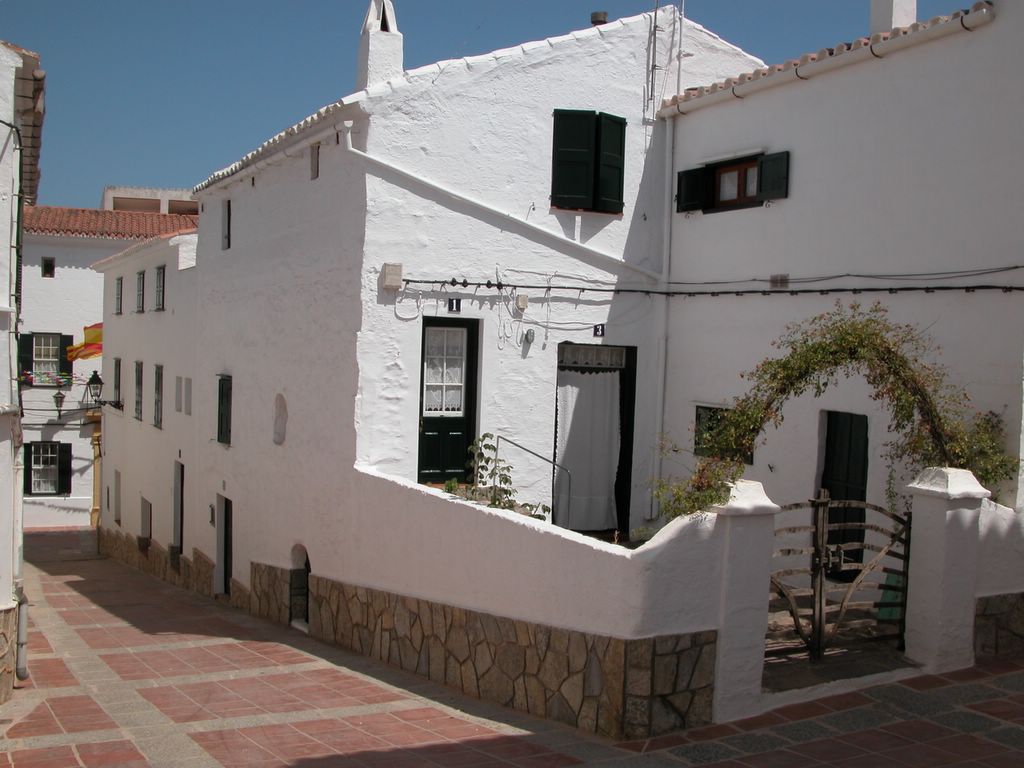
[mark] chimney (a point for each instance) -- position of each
(887, 15)
(597, 18)
(380, 46)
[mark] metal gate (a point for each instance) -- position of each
(854, 590)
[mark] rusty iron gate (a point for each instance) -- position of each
(857, 587)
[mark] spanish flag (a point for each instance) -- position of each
(92, 343)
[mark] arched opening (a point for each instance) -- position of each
(298, 589)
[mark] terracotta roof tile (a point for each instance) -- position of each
(114, 225)
(690, 95)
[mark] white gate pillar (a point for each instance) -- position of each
(749, 517)
(944, 547)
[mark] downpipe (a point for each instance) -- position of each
(21, 669)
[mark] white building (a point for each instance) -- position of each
(902, 188)
(21, 115)
(62, 296)
(488, 245)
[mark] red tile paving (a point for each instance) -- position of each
(146, 665)
(213, 665)
(48, 673)
(62, 714)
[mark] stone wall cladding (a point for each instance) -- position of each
(8, 651)
(999, 625)
(270, 593)
(195, 574)
(617, 688)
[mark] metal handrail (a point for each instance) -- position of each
(552, 462)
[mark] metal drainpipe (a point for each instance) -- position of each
(21, 669)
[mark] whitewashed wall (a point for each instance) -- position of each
(282, 307)
(145, 455)
(10, 494)
(65, 304)
(908, 164)
(483, 127)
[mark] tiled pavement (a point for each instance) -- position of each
(128, 671)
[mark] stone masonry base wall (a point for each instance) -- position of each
(618, 688)
(8, 651)
(999, 625)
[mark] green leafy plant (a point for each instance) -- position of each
(451, 485)
(929, 417)
(492, 476)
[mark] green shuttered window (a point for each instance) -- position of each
(741, 183)
(587, 161)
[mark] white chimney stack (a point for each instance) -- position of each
(887, 15)
(380, 46)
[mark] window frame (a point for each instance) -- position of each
(118, 295)
(61, 467)
(138, 390)
(224, 397)
(140, 291)
(160, 282)
(443, 384)
(37, 360)
(117, 382)
(48, 267)
(225, 224)
(702, 414)
(699, 188)
(158, 396)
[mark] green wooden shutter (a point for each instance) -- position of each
(773, 176)
(25, 358)
(67, 368)
(611, 143)
(27, 486)
(64, 468)
(572, 159)
(224, 410)
(694, 189)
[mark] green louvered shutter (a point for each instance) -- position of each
(773, 176)
(67, 367)
(25, 358)
(64, 468)
(694, 189)
(611, 143)
(27, 484)
(572, 159)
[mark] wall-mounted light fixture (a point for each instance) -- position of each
(95, 388)
(58, 401)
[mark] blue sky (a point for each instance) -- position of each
(162, 93)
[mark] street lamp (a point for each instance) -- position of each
(58, 400)
(95, 387)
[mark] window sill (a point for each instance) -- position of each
(557, 209)
(158, 309)
(724, 208)
(47, 495)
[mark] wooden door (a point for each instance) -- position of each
(447, 398)
(845, 477)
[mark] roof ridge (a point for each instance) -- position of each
(692, 94)
(406, 78)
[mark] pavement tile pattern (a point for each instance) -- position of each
(129, 671)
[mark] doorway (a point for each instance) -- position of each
(448, 393)
(225, 544)
(594, 421)
(844, 475)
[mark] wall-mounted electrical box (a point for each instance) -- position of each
(391, 277)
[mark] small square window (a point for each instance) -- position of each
(49, 265)
(588, 161)
(707, 419)
(741, 183)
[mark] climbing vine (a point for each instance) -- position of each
(929, 418)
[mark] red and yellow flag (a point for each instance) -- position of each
(92, 343)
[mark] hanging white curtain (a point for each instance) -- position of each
(588, 446)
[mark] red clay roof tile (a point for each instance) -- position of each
(115, 225)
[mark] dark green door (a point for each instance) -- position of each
(226, 552)
(447, 398)
(845, 477)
